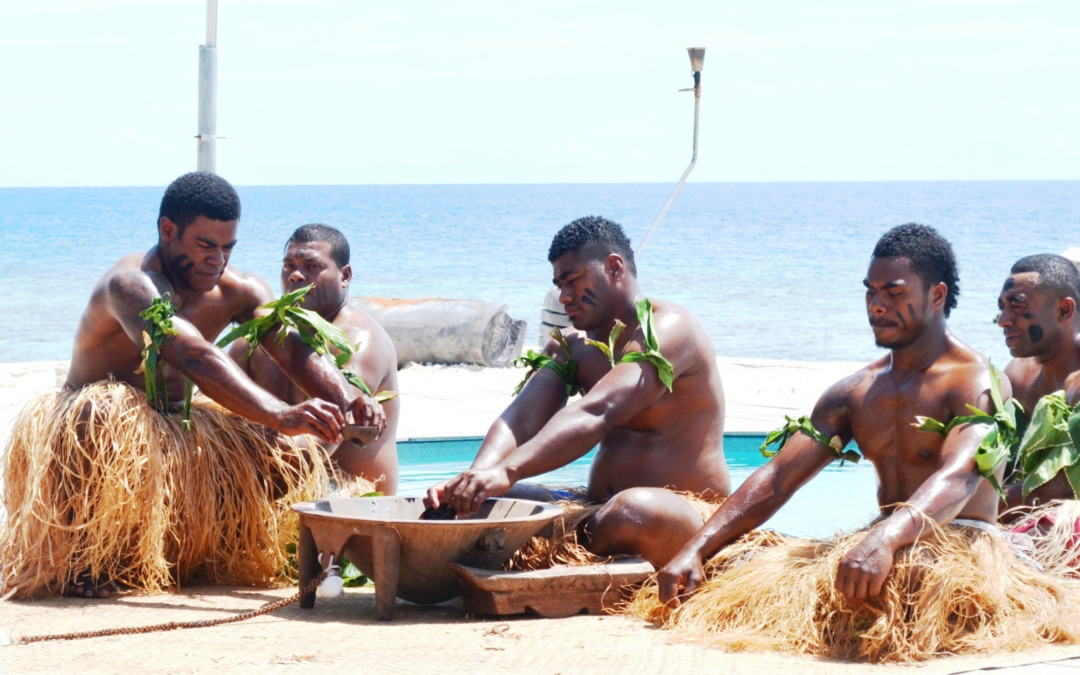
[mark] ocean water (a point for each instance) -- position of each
(773, 270)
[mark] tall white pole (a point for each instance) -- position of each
(697, 59)
(207, 138)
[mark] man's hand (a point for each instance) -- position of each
(366, 411)
(468, 490)
(315, 416)
(864, 569)
(436, 495)
(680, 577)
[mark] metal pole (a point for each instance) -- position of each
(697, 58)
(207, 138)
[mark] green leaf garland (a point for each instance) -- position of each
(314, 330)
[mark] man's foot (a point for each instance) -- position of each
(86, 587)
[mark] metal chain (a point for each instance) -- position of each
(176, 625)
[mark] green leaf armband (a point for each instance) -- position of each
(535, 361)
(791, 427)
(1003, 438)
(1051, 444)
(314, 330)
(159, 326)
(664, 370)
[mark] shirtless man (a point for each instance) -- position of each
(911, 286)
(197, 230)
(319, 254)
(649, 438)
(1042, 331)
(190, 263)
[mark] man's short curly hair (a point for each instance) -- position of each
(1057, 274)
(199, 193)
(931, 256)
(339, 245)
(594, 238)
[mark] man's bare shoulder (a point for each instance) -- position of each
(848, 390)
(244, 286)
(358, 324)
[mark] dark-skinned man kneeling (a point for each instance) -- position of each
(933, 574)
(317, 255)
(651, 436)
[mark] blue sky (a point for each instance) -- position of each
(350, 92)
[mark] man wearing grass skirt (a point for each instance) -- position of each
(118, 480)
(317, 255)
(933, 574)
(658, 420)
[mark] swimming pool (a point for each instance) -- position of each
(838, 498)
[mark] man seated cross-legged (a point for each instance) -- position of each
(121, 478)
(317, 255)
(652, 435)
(933, 574)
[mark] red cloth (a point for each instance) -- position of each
(1047, 521)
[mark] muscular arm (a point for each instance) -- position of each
(129, 293)
(544, 394)
(940, 498)
(315, 375)
(761, 495)
(538, 402)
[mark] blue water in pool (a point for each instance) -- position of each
(839, 498)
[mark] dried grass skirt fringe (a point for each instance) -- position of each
(98, 483)
(960, 591)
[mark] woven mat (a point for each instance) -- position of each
(343, 634)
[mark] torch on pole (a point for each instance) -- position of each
(207, 137)
(697, 60)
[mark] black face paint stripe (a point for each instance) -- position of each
(903, 321)
(1035, 332)
(181, 264)
(911, 310)
(587, 298)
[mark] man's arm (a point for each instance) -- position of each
(543, 396)
(316, 376)
(624, 392)
(940, 498)
(129, 293)
(762, 494)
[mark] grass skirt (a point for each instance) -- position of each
(564, 546)
(960, 591)
(99, 484)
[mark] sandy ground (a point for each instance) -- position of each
(447, 401)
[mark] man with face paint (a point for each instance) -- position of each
(911, 287)
(197, 230)
(1038, 305)
(649, 438)
(91, 423)
(318, 255)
